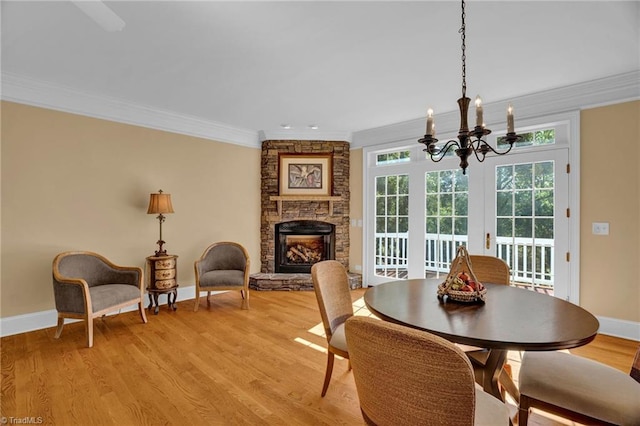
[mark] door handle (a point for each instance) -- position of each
(487, 241)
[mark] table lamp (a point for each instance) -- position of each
(159, 204)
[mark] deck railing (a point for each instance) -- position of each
(530, 265)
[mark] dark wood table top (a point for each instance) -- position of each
(512, 318)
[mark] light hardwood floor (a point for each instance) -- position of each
(217, 366)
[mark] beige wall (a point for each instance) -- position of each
(610, 192)
(71, 182)
(355, 208)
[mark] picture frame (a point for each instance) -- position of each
(305, 174)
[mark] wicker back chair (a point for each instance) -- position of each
(331, 285)
(223, 266)
(489, 269)
(410, 377)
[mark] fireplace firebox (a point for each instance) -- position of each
(301, 243)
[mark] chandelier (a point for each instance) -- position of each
(469, 141)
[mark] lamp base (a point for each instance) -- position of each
(160, 251)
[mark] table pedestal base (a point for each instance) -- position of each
(491, 374)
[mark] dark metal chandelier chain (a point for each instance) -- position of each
(462, 31)
(469, 142)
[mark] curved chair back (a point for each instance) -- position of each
(224, 256)
(91, 267)
(489, 269)
(331, 285)
(409, 377)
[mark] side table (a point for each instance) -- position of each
(162, 279)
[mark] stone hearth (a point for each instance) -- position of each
(290, 282)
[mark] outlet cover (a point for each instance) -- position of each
(600, 228)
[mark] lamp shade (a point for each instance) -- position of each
(160, 203)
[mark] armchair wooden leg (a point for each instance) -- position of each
(245, 299)
(143, 314)
(327, 374)
(89, 325)
(208, 299)
(195, 307)
(60, 325)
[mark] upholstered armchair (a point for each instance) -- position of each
(86, 285)
(223, 266)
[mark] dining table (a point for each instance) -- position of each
(510, 318)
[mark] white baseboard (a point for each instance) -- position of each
(619, 328)
(46, 319)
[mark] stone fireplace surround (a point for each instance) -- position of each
(335, 212)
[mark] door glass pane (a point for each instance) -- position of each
(525, 222)
(392, 226)
(447, 209)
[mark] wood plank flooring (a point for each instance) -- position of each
(217, 366)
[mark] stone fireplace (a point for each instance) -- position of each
(301, 243)
(289, 245)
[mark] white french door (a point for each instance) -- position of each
(526, 219)
(515, 207)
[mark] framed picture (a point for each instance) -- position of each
(305, 174)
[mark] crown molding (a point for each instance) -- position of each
(605, 91)
(47, 95)
(304, 134)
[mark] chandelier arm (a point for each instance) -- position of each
(438, 156)
(475, 146)
(490, 148)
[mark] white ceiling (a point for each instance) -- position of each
(344, 66)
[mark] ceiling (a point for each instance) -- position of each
(343, 66)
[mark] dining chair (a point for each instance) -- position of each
(494, 270)
(331, 286)
(578, 389)
(223, 266)
(87, 285)
(489, 269)
(406, 376)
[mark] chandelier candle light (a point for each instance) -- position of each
(159, 204)
(469, 142)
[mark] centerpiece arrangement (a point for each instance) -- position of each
(461, 284)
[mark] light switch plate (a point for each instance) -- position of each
(600, 228)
